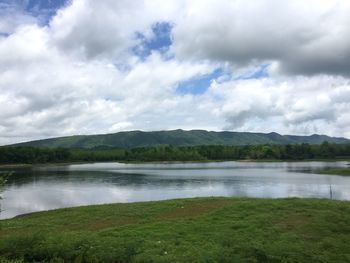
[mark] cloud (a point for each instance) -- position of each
(304, 38)
(12, 15)
(46, 92)
(298, 104)
(262, 66)
(106, 28)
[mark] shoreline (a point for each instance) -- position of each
(24, 165)
(335, 171)
(43, 212)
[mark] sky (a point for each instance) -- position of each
(89, 67)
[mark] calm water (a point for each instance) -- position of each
(49, 187)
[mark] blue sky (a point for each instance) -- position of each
(160, 40)
(199, 84)
(41, 9)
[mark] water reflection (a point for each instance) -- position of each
(49, 187)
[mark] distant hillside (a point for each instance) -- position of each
(133, 139)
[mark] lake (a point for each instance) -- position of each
(48, 187)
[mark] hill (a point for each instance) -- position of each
(132, 139)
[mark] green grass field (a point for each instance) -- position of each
(336, 171)
(184, 230)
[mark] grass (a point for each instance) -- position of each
(336, 171)
(183, 230)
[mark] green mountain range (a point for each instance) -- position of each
(132, 139)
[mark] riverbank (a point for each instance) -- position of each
(335, 171)
(184, 230)
(18, 166)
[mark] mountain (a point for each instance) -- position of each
(133, 139)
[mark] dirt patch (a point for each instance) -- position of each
(13, 231)
(294, 222)
(299, 224)
(100, 224)
(194, 210)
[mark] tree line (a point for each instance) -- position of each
(304, 151)
(28, 155)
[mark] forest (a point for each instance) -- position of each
(303, 151)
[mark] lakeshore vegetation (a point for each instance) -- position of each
(336, 171)
(183, 230)
(303, 151)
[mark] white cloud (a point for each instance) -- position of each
(78, 74)
(46, 92)
(301, 104)
(107, 28)
(304, 37)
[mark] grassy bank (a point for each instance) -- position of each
(187, 230)
(336, 171)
